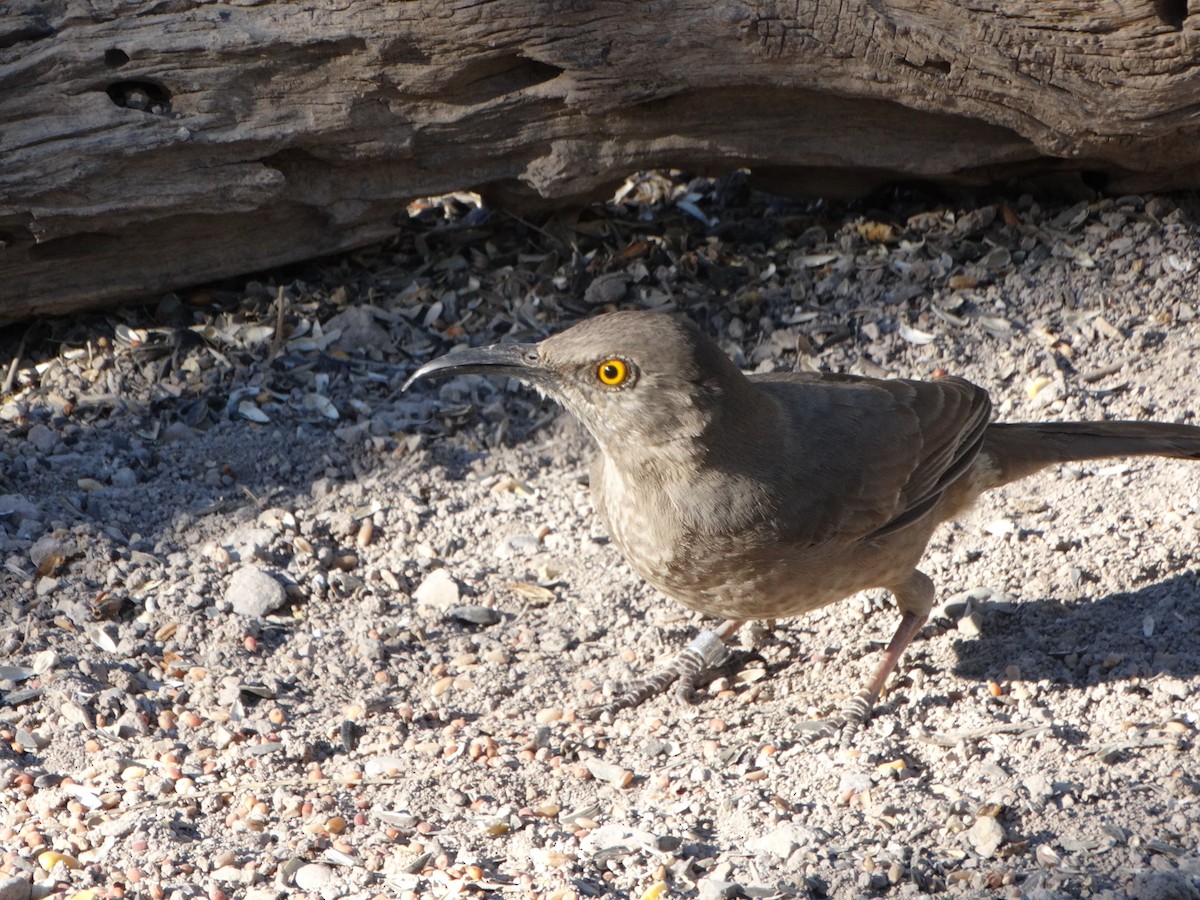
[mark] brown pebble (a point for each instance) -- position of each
(366, 531)
(335, 824)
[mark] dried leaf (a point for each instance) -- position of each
(531, 593)
(811, 260)
(996, 326)
(876, 232)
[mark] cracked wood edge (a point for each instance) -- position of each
(146, 146)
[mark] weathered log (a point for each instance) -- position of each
(150, 144)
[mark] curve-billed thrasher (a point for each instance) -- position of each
(763, 496)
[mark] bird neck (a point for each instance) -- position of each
(730, 425)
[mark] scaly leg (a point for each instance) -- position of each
(914, 599)
(705, 651)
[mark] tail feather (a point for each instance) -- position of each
(1022, 448)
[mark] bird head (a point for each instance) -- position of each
(635, 379)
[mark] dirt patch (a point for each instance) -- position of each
(272, 627)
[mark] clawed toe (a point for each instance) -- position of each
(847, 721)
(706, 651)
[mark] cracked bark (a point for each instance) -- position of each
(146, 146)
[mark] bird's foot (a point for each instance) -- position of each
(851, 717)
(707, 650)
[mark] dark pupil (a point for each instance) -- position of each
(610, 372)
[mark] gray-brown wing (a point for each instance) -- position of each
(866, 456)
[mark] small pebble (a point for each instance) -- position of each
(969, 625)
(44, 440)
(252, 592)
(474, 615)
(986, 836)
(438, 590)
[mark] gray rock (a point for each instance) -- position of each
(986, 836)
(14, 508)
(360, 330)
(607, 288)
(438, 590)
(252, 592)
(43, 438)
(1163, 886)
(473, 615)
(124, 477)
(14, 889)
(313, 877)
(716, 889)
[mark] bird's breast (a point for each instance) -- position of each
(687, 539)
(720, 550)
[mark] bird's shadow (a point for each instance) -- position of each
(1154, 630)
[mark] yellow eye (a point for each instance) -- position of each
(612, 372)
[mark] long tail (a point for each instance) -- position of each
(1022, 448)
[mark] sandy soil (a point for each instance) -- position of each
(273, 628)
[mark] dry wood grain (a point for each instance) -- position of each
(150, 145)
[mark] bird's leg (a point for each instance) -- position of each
(914, 599)
(705, 651)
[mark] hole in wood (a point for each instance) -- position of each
(141, 95)
(35, 28)
(932, 64)
(1171, 12)
(115, 58)
(1097, 181)
(489, 79)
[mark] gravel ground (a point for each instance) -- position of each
(273, 628)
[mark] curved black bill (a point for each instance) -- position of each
(514, 360)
